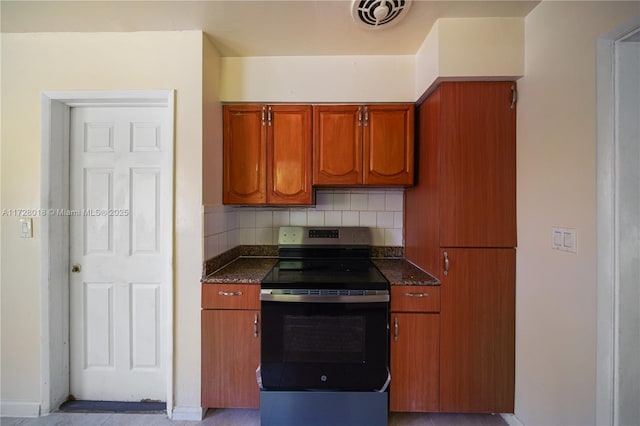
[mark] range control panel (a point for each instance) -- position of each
(305, 235)
(324, 233)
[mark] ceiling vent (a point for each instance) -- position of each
(375, 14)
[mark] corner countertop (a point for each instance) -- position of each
(251, 269)
(246, 270)
(402, 272)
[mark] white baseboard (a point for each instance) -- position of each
(19, 409)
(188, 413)
(511, 419)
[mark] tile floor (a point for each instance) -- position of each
(236, 417)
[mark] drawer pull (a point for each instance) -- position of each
(230, 293)
(417, 294)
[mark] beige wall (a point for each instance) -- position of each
(470, 48)
(454, 48)
(318, 79)
(32, 63)
(211, 125)
(556, 291)
(477, 47)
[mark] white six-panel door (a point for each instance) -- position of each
(118, 205)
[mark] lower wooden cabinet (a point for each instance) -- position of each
(415, 348)
(230, 346)
(477, 345)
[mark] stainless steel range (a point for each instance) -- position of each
(324, 344)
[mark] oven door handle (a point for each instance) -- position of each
(306, 298)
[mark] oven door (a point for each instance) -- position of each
(316, 343)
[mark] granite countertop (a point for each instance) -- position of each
(253, 269)
(402, 272)
(242, 270)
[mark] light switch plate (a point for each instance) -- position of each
(564, 239)
(26, 227)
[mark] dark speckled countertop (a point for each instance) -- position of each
(251, 269)
(242, 270)
(401, 272)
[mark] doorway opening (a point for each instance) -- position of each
(618, 232)
(56, 242)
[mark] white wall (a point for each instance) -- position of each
(318, 79)
(556, 291)
(33, 63)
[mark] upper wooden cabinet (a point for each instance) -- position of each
(267, 154)
(363, 145)
(477, 165)
(465, 192)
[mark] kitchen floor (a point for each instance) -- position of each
(236, 417)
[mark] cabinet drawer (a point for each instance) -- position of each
(231, 296)
(411, 298)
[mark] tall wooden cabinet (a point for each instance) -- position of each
(363, 145)
(230, 345)
(460, 225)
(267, 154)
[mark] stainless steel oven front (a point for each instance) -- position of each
(324, 339)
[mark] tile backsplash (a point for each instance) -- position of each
(382, 210)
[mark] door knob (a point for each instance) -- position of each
(75, 268)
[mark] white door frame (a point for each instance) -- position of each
(607, 273)
(54, 184)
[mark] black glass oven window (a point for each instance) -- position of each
(320, 338)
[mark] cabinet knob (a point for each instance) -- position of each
(75, 268)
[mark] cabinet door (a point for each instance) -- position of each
(289, 154)
(244, 177)
(414, 362)
(230, 356)
(388, 144)
(337, 144)
(477, 334)
(477, 165)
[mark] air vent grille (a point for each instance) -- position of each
(375, 14)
